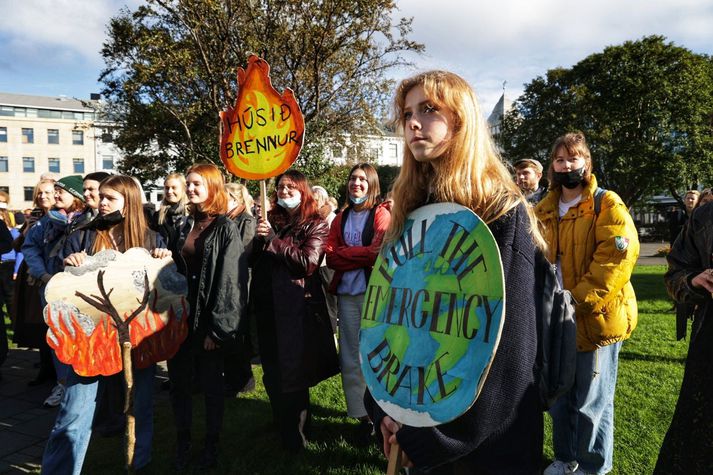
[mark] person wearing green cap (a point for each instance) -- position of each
(43, 245)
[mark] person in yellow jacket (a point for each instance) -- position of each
(595, 254)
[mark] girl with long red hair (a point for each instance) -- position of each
(206, 250)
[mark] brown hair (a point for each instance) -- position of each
(576, 146)
(372, 178)
(217, 201)
(134, 226)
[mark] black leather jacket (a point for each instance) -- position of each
(219, 302)
(689, 256)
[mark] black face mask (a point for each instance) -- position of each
(568, 179)
(106, 221)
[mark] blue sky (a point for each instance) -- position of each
(51, 47)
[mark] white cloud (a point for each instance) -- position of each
(65, 27)
(517, 40)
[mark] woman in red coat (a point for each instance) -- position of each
(353, 244)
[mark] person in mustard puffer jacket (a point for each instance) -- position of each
(595, 255)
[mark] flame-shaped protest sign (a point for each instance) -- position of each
(264, 131)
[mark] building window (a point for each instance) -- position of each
(107, 136)
(107, 162)
(393, 150)
(28, 164)
(53, 164)
(78, 165)
(3, 164)
(3, 134)
(29, 192)
(77, 137)
(53, 136)
(28, 136)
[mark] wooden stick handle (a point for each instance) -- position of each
(394, 467)
(129, 405)
(263, 200)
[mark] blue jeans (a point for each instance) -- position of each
(352, 379)
(69, 439)
(583, 419)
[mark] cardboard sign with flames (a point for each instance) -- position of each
(113, 297)
(264, 132)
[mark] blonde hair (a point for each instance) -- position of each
(470, 171)
(36, 191)
(239, 193)
(165, 205)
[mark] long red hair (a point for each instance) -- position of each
(308, 206)
(217, 201)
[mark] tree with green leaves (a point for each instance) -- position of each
(171, 68)
(646, 108)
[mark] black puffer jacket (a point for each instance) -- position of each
(219, 302)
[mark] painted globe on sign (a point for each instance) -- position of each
(432, 316)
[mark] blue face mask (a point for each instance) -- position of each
(291, 202)
(357, 201)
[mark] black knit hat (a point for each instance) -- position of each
(72, 184)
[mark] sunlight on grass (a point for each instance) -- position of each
(650, 373)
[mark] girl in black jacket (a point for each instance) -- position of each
(207, 250)
(450, 157)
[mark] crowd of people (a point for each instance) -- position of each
(282, 287)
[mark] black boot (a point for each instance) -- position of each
(183, 455)
(209, 456)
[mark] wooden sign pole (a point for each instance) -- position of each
(263, 200)
(394, 467)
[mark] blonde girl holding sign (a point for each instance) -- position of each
(450, 157)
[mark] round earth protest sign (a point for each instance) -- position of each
(432, 316)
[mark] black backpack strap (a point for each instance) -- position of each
(598, 195)
(345, 216)
(367, 235)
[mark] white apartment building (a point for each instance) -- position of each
(386, 149)
(60, 135)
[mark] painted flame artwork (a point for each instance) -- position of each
(263, 133)
(85, 303)
(99, 352)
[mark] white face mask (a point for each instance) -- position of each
(357, 201)
(292, 201)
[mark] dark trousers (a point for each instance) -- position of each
(238, 369)
(7, 286)
(290, 410)
(209, 365)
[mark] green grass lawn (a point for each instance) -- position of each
(650, 373)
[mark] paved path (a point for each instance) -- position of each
(25, 424)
